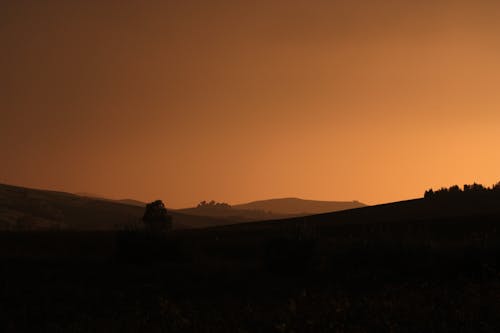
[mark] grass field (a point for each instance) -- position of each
(328, 273)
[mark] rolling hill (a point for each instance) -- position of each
(416, 211)
(296, 206)
(272, 209)
(398, 261)
(25, 208)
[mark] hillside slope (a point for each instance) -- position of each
(24, 208)
(415, 211)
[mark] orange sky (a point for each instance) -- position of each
(240, 100)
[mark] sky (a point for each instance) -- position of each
(369, 100)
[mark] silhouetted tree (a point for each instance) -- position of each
(454, 190)
(156, 218)
(429, 194)
(478, 188)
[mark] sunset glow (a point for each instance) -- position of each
(235, 101)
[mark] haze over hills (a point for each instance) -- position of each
(270, 209)
(420, 211)
(24, 208)
(296, 206)
(42, 209)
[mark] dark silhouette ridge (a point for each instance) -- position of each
(472, 191)
(37, 209)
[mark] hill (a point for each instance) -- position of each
(272, 209)
(382, 266)
(131, 202)
(296, 206)
(240, 215)
(25, 208)
(416, 211)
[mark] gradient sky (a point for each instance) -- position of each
(240, 100)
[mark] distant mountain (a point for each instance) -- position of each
(25, 208)
(271, 209)
(296, 206)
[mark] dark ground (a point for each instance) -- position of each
(434, 275)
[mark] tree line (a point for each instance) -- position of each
(213, 204)
(467, 190)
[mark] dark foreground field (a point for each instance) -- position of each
(431, 275)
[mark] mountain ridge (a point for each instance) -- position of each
(294, 205)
